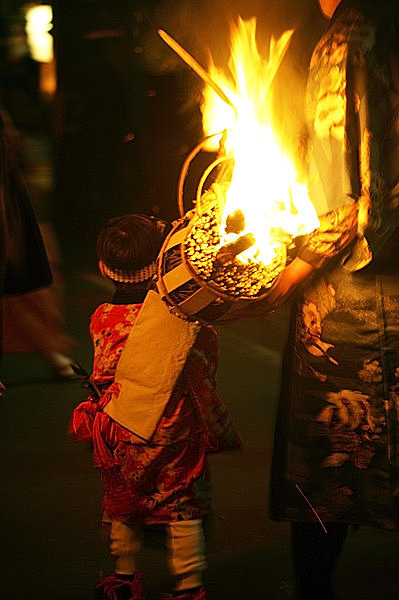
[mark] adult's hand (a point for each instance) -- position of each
(296, 272)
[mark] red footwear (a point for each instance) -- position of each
(196, 594)
(116, 587)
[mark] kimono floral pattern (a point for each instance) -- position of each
(329, 62)
(338, 413)
(331, 98)
(311, 332)
(347, 412)
(371, 371)
(166, 479)
(352, 426)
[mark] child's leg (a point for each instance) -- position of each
(186, 553)
(125, 583)
(125, 545)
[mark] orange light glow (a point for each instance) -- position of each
(264, 183)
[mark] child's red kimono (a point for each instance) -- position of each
(167, 479)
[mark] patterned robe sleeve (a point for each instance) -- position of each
(337, 230)
(353, 120)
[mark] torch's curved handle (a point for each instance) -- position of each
(204, 177)
(186, 165)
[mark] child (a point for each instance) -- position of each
(164, 480)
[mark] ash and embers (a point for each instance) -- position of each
(235, 278)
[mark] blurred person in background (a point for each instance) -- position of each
(34, 322)
(24, 264)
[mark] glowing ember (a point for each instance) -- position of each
(264, 202)
(216, 264)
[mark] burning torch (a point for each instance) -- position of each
(210, 265)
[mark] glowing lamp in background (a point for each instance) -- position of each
(38, 26)
(40, 41)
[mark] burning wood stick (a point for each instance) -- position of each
(235, 222)
(195, 66)
(228, 252)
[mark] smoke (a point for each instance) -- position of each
(203, 29)
(204, 25)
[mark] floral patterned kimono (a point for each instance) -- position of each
(166, 479)
(336, 449)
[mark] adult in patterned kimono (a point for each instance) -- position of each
(162, 480)
(336, 451)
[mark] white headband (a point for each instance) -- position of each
(122, 276)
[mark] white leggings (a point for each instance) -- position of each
(185, 545)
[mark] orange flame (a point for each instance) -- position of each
(264, 185)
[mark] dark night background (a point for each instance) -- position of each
(111, 140)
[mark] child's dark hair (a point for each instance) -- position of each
(129, 243)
